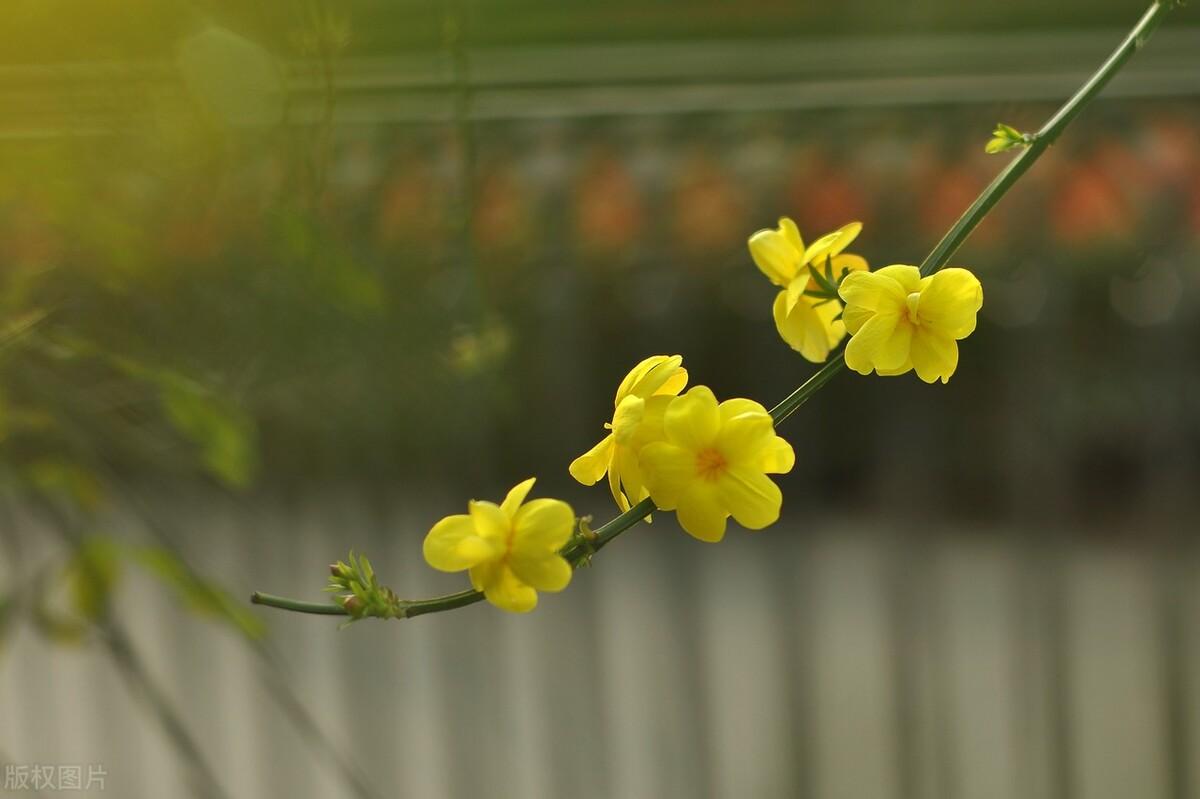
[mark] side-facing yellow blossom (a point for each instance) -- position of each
(899, 320)
(511, 549)
(808, 324)
(714, 461)
(637, 420)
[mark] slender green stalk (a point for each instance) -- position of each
(579, 550)
(1049, 132)
(297, 605)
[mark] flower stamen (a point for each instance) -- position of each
(914, 300)
(710, 464)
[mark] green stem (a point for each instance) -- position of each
(297, 605)
(581, 549)
(1050, 132)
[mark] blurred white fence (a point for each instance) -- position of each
(829, 659)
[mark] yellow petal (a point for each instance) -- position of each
(874, 291)
(893, 351)
(831, 244)
(484, 574)
(651, 428)
(791, 233)
(668, 470)
(542, 526)
(589, 467)
(614, 487)
(801, 327)
(934, 356)
(673, 384)
(833, 327)
(774, 256)
(491, 523)
(744, 439)
(545, 573)
(636, 374)
(663, 374)
(847, 262)
(950, 300)
(909, 277)
(506, 591)
(855, 316)
(632, 485)
(904, 368)
(865, 345)
(515, 497)
(452, 545)
(737, 406)
(779, 457)
(627, 418)
(700, 512)
(751, 496)
(693, 420)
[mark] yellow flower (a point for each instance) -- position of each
(637, 420)
(510, 549)
(808, 324)
(714, 462)
(900, 321)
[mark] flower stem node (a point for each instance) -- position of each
(1006, 137)
(359, 592)
(510, 551)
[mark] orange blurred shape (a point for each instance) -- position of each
(709, 208)
(502, 220)
(950, 192)
(825, 199)
(608, 205)
(410, 205)
(1089, 209)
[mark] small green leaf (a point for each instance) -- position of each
(199, 595)
(224, 434)
(822, 281)
(91, 576)
(997, 145)
(1006, 132)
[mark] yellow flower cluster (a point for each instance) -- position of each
(809, 323)
(708, 460)
(687, 453)
(510, 550)
(641, 402)
(899, 321)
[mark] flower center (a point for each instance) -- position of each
(710, 464)
(914, 300)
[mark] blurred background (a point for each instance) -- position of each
(285, 279)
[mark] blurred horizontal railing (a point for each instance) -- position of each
(611, 79)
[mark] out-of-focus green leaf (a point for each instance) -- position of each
(69, 600)
(201, 596)
(224, 433)
(66, 480)
(15, 327)
(92, 575)
(234, 78)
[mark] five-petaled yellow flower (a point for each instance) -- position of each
(900, 321)
(714, 462)
(637, 421)
(511, 549)
(808, 324)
